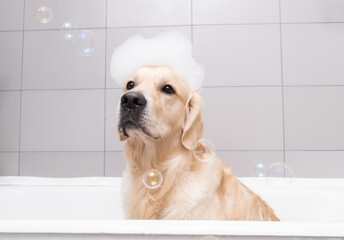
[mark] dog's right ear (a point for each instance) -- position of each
(193, 127)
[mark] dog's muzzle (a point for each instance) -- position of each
(132, 106)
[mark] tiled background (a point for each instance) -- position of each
(274, 89)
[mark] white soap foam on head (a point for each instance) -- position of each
(170, 48)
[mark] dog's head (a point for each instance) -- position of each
(157, 104)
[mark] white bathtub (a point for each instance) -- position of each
(90, 208)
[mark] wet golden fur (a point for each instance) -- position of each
(191, 189)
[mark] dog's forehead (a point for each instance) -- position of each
(150, 78)
(157, 74)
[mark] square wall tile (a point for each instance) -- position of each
(11, 15)
(62, 164)
(9, 120)
(10, 60)
(70, 120)
(313, 54)
(243, 118)
(9, 164)
(239, 55)
(51, 62)
(235, 11)
(133, 13)
(243, 163)
(312, 10)
(314, 118)
(112, 142)
(117, 36)
(114, 164)
(316, 164)
(82, 13)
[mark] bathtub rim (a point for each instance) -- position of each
(173, 227)
(166, 227)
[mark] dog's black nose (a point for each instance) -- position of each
(133, 100)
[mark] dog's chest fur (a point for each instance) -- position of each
(185, 196)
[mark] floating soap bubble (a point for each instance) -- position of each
(204, 150)
(258, 169)
(68, 30)
(44, 14)
(86, 43)
(152, 179)
(209, 238)
(279, 176)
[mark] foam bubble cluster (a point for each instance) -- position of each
(170, 48)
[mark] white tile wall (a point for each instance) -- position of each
(67, 164)
(11, 15)
(244, 118)
(239, 55)
(9, 120)
(314, 118)
(133, 13)
(242, 162)
(111, 134)
(9, 164)
(328, 164)
(312, 10)
(262, 60)
(10, 60)
(63, 120)
(82, 13)
(51, 62)
(313, 54)
(114, 164)
(235, 11)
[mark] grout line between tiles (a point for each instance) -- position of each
(191, 1)
(105, 69)
(182, 25)
(8, 31)
(21, 89)
(62, 151)
(295, 23)
(282, 84)
(59, 89)
(217, 150)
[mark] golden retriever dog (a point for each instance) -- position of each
(160, 118)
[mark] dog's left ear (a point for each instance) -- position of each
(193, 127)
(122, 137)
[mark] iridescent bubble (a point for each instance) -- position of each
(68, 30)
(86, 43)
(279, 176)
(44, 14)
(204, 150)
(209, 238)
(152, 179)
(258, 169)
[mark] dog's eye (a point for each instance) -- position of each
(130, 85)
(168, 89)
